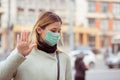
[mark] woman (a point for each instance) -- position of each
(38, 58)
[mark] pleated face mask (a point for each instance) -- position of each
(52, 38)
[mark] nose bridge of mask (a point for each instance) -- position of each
(53, 35)
(56, 36)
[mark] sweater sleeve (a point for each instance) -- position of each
(68, 70)
(10, 65)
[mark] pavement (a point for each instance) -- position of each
(102, 72)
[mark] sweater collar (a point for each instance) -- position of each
(40, 52)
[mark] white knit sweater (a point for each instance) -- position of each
(38, 65)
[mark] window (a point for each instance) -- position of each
(42, 5)
(0, 3)
(63, 2)
(33, 5)
(0, 40)
(91, 22)
(81, 38)
(0, 15)
(21, 3)
(116, 8)
(66, 39)
(20, 16)
(104, 7)
(31, 17)
(116, 25)
(91, 6)
(53, 4)
(104, 24)
(91, 40)
(104, 40)
(0, 20)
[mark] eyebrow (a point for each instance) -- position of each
(56, 28)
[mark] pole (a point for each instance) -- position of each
(9, 30)
(71, 25)
(9, 25)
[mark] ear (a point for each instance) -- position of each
(39, 30)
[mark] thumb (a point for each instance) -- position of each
(31, 47)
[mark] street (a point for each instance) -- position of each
(105, 74)
(102, 72)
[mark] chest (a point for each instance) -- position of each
(41, 69)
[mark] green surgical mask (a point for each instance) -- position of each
(52, 38)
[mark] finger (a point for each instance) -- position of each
(23, 36)
(26, 38)
(18, 38)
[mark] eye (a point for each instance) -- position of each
(59, 31)
(53, 31)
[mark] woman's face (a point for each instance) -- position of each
(54, 27)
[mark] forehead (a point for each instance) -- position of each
(55, 25)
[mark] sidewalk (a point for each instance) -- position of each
(100, 62)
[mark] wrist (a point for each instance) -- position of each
(21, 53)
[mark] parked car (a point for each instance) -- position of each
(113, 61)
(93, 49)
(81, 47)
(89, 58)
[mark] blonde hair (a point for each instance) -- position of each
(44, 20)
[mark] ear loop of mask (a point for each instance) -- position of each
(41, 39)
(60, 42)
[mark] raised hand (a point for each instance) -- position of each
(23, 45)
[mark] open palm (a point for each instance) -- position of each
(23, 45)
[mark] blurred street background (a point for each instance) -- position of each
(89, 25)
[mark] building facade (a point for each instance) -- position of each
(104, 15)
(1, 29)
(86, 35)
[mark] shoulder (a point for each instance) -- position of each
(64, 56)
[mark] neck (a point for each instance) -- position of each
(46, 48)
